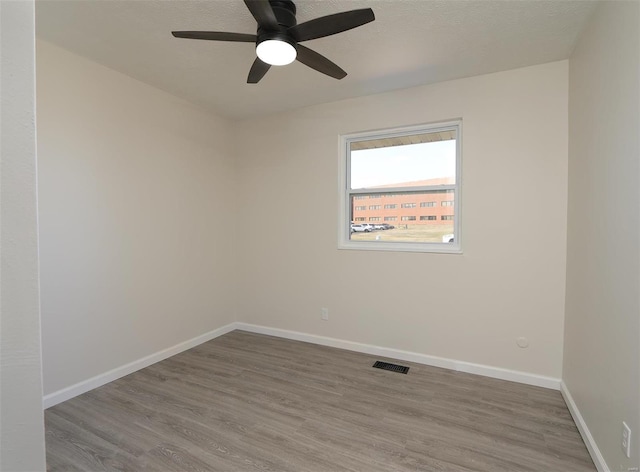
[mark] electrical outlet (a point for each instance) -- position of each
(626, 439)
(324, 314)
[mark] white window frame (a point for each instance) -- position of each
(344, 223)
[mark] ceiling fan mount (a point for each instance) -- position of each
(278, 36)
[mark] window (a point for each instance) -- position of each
(360, 208)
(360, 218)
(417, 166)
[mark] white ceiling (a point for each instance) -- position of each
(411, 42)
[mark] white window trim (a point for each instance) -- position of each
(345, 140)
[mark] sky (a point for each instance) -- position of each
(398, 164)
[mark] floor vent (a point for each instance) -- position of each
(392, 367)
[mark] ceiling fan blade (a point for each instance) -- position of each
(216, 36)
(258, 69)
(331, 24)
(319, 62)
(263, 13)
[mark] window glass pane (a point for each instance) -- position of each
(404, 218)
(408, 161)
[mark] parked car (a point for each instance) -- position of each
(447, 238)
(358, 228)
(367, 225)
(379, 226)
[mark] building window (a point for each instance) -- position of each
(360, 208)
(404, 166)
(360, 218)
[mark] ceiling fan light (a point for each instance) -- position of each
(276, 52)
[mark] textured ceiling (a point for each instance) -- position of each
(411, 42)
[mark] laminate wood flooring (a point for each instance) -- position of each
(248, 402)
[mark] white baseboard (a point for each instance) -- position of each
(460, 366)
(592, 447)
(114, 374)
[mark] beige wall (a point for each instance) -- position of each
(508, 283)
(137, 249)
(601, 354)
(21, 417)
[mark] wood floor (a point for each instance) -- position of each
(248, 402)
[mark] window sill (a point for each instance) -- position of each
(435, 248)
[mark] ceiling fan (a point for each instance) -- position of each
(278, 36)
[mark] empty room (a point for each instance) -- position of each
(320, 235)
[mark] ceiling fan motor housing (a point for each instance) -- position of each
(285, 12)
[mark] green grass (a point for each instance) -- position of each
(407, 233)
